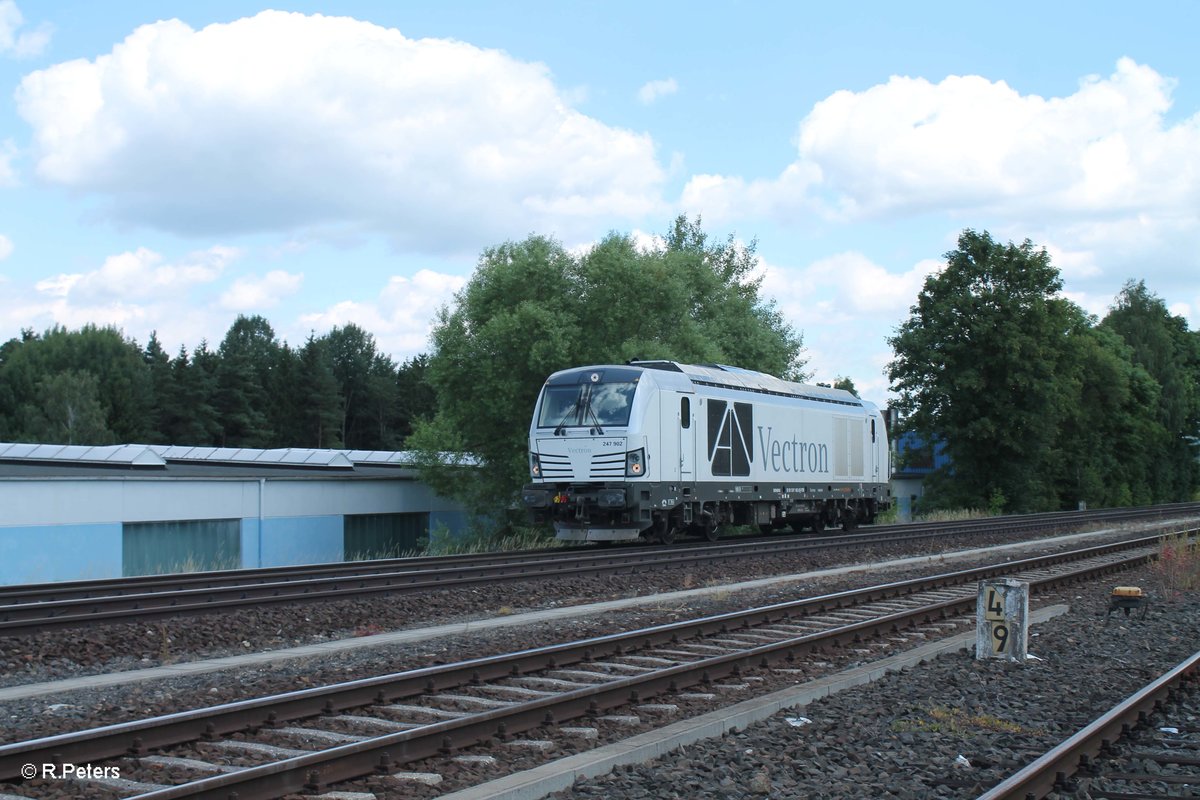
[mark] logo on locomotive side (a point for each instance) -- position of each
(730, 441)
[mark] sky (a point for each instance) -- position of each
(166, 166)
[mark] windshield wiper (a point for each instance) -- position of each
(558, 429)
(590, 412)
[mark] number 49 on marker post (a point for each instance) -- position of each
(1002, 619)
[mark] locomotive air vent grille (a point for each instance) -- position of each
(607, 465)
(556, 466)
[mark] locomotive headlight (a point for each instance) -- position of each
(535, 465)
(635, 463)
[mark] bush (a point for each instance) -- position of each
(1177, 567)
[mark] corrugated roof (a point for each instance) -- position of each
(290, 457)
(182, 459)
(393, 457)
(138, 455)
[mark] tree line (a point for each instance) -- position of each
(1039, 405)
(95, 386)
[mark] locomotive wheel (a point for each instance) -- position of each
(664, 531)
(710, 530)
(766, 528)
(798, 526)
(818, 523)
(849, 520)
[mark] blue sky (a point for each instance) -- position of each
(166, 166)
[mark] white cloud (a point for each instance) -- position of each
(647, 242)
(401, 317)
(284, 122)
(253, 293)
(653, 90)
(6, 247)
(1189, 311)
(846, 306)
(721, 197)
(138, 291)
(194, 298)
(140, 275)
(1101, 177)
(20, 45)
(845, 286)
(8, 176)
(969, 144)
(1073, 264)
(642, 242)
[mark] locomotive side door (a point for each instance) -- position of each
(874, 447)
(685, 423)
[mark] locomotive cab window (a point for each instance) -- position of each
(586, 404)
(685, 412)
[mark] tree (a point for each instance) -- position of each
(123, 391)
(321, 403)
(248, 353)
(69, 410)
(365, 380)
(162, 390)
(411, 398)
(976, 368)
(187, 411)
(846, 384)
(533, 308)
(1161, 344)
(1108, 439)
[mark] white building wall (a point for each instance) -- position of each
(54, 529)
(71, 501)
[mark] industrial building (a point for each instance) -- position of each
(916, 463)
(79, 512)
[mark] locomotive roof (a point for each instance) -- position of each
(727, 377)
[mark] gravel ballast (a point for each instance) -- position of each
(893, 738)
(63, 653)
(949, 728)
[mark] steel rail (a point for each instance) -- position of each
(139, 584)
(25, 618)
(1038, 779)
(313, 771)
(173, 729)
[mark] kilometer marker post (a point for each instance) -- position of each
(1002, 620)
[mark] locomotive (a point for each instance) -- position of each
(657, 449)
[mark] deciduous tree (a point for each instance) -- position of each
(1161, 344)
(533, 308)
(976, 368)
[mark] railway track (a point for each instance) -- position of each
(313, 738)
(1131, 752)
(29, 609)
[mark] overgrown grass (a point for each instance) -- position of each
(889, 516)
(192, 563)
(956, 722)
(954, 515)
(1177, 567)
(396, 551)
(442, 542)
